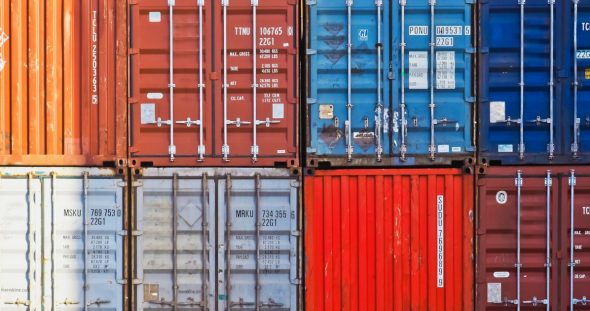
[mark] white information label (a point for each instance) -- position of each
(155, 95)
(494, 292)
(445, 70)
(440, 241)
(278, 111)
(445, 41)
(505, 148)
(449, 30)
(443, 148)
(418, 70)
(497, 112)
(155, 17)
(148, 113)
(501, 274)
(456, 149)
(418, 30)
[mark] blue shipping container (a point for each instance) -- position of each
(365, 106)
(526, 78)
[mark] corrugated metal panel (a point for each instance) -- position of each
(527, 74)
(368, 107)
(389, 239)
(524, 247)
(62, 239)
(63, 82)
(251, 261)
(182, 55)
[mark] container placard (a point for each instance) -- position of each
(418, 70)
(445, 70)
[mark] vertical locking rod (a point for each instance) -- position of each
(225, 147)
(379, 112)
(521, 83)
(403, 131)
(575, 145)
(432, 106)
(519, 183)
(349, 148)
(254, 148)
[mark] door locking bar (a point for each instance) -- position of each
(379, 109)
(575, 145)
(404, 121)
(348, 123)
(432, 105)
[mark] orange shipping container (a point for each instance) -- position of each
(63, 82)
(389, 240)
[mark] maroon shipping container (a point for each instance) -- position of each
(183, 53)
(389, 240)
(525, 253)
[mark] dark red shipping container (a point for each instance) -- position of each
(389, 240)
(183, 53)
(526, 256)
(63, 82)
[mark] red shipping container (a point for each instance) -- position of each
(182, 55)
(63, 82)
(524, 249)
(389, 240)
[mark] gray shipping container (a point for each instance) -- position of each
(217, 239)
(62, 236)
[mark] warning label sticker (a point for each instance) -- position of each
(497, 112)
(587, 73)
(418, 70)
(445, 70)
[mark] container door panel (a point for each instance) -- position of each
(20, 244)
(502, 283)
(442, 79)
(257, 250)
(177, 217)
(170, 75)
(339, 79)
(83, 239)
(271, 131)
(504, 68)
(576, 211)
(576, 36)
(583, 91)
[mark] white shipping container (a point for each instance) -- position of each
(62, 238)
(217, 239)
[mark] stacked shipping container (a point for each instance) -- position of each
(171, 128)
(389, 84)
(211, 83)
(531, 220)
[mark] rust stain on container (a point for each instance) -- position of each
(389, 240)
(63, 83)
(181, 57)
(524, 245)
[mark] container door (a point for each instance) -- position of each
(257, 109)
(21, 238)
(175, 264)
(433, 110)
(169, 74)
(516, 244)
(83, 243)
(575, 285)
(519, 113)
(348, 100)
(579, 17)
(257, 243)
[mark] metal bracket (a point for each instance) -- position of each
(188, 122)
(238, 122)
